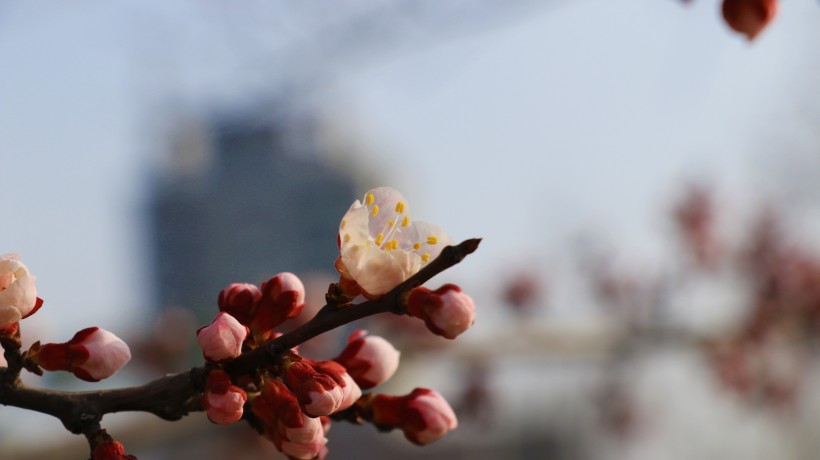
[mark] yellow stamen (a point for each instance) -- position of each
(347, 237)
(379, 239)
(405, 222)
(369, 199)
(432, 240)
(425, 257)
(400, 207)
(394, 244)
(391, 223)
(344, 222)
(375, 210)
(417, 246)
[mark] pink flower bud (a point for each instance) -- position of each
(322, 388)
(283, 297)
(424, 415)
(749, 17)
(222, 340)
(238, 300)
(223, 402)
(92, 354)
(18, 295)
(447, 311)
(111, 450)
(291, 431)
(369, 359)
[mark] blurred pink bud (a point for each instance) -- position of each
(424, 415)
(749, 17)
(223, 402)
(322, 388)
(222, 340)
(238, 300)
(283, 297)
(369, 359)
(447, 311)
(290, 430)
(111, 450)
(92, 354)
(18, 295)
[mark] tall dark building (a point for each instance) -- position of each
(248, 198)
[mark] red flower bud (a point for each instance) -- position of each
(322, 388)
(222, 340)
(424, 415)
(238, 300)
(293, 433)
(92, 354)
(283, 297)
(447, 311)
(749, 17)
(111, 450)
(369, 359)
(223, 402)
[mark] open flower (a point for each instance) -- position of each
(381, 246)
(18, 295)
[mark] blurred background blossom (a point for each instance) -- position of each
(644, 179)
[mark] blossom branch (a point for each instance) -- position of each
(332, 316)
(173, 397)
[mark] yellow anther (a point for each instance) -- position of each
(405, 222)
(379, 239)
(417, 246)
(347, 237)
(375, 210)
(394, 244)
(344, 222)
(369, 199)
(425, 257)
(391, 223)
(432, 240)
(400, 207)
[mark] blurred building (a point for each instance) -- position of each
(244, 197)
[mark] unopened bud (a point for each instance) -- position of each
(369, 359)
(223, 402)
(92, 354)
(749, 17)
(222, 340)
(283, 297)
(293, 433)
(322, 388)
(238, 300)
(447, 311)
(423, 415)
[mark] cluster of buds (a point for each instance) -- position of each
(292, 401)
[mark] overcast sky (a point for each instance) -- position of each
(525, 129)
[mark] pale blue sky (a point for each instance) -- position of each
(561, 118)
